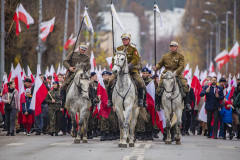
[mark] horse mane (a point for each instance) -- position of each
(83, 67)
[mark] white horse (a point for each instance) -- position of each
(124, 99)
(78, 100)
(172, 103)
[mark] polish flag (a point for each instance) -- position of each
(230, 95)
(186, 70)
(203, 77)
(24, 16)
(101, 90)
(38, 69)
(70, 42)
(235, 51)
(30, 74)
(211, 67)
(109, 61)
(11, 74)
(47, 72)
(16, 19)
(92, 61)
(46, 28)
(59, 69)
(39, 94)
(196, 85)
(222, 56)
(189, 76)
(22, 95)
(23, 74)
(19, 83)
(5, 87)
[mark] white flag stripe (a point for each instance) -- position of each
(88, 21)
(115, 15)
(161, 20)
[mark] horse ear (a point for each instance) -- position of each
(163, 74)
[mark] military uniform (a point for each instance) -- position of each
(54, 110)
(132, 59)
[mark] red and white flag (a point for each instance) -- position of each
(222, 58)
(70, 42)
(11, 74)
(101, 90)
(59, 69)
(4, 86)
(39, 94)
(235, 51)
(30, 74)
(211, 67)
(109, 61)
(16, 19)
(186, 70)
(92, 61)
(24, 16)
(46, 28)
(19, 83)
(23, 74)
(196, 85)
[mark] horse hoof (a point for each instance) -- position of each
(77, 141)
(124, 145)
(131, 145)
(84, 141)
(178, 142)
(120, 145)
(168, 142)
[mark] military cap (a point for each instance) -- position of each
(105, 72)
(149, 71)
(93, 74)
(109, 73)
(222, 79)
(173, 43)
(145, 69)
(153, 77)
(55, 82)
(27, 80)
(83, 46)
(125, 35)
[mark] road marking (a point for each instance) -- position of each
(15, 144)
(60, 144)
(227, 147)
(189, 145)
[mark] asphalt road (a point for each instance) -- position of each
(22, 147)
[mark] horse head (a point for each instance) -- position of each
(120, 62)
(81, 79)
(169, 83)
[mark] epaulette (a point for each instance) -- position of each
(133, 45)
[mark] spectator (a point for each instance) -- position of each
(60, 78)
(49, 81)
(226, 114)
(237, 107)
(2, 111)
(27, 112)
(213, 94)
(12, 105)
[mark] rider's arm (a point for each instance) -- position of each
(181, 65)
(135, 57)
(66, 61)
(160, 63)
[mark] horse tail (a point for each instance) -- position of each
(173, 120)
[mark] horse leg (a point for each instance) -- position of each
(126, 125)
(74, 126)
(168, 126)
(178, 125)
(85, 125)
(120, 122)
(135, 112)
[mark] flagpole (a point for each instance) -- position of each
(155, 45)
(112, 28)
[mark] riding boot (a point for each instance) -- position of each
(144, 102)
(103, 134)
(95, 101)
(63, 97)
(140, 97)
(110, 135)
(110, 104)
(186, 102)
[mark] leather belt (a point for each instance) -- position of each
(171, 69)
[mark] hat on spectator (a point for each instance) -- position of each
(222, 79)
(145, 69)
(27, 80)
(93, 74)
(105, 72)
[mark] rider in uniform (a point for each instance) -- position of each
(172, 61)
(69, 63)
(132, 61)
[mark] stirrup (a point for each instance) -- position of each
(110, 104)
(140, 103)
(145, 104)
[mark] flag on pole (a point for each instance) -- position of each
(24, 16)
(186, 70)
(109, 61)
(70, 42)
(115, 15)
(38, 69)
(46, 28)
(235, 51)
(39, 94)
(161, 20)
(16, 19)
(59, 69)
(11, 74)
(87, 20)
(92, 61)
(5, 87)
(30, 74)
(211, 67)
(222, 58)
(196, 85)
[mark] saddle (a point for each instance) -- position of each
(133, 80)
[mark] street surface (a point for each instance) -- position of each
(22, 147)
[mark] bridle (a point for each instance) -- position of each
(117, 62)
(173, 89)
(79, 85)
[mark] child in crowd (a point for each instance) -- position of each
(27, 112)
(226, 114)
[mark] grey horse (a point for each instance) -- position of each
(172, 103)
(124, 100)
(78, 100)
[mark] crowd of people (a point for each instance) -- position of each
(55, 120)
